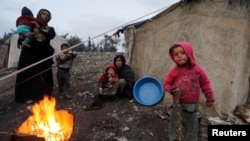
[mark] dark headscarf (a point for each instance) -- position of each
(122, 59)
(39, 15)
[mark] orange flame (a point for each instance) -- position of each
(48, 123)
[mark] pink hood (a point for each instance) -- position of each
(188, 49)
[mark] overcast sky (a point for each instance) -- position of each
(82, 18)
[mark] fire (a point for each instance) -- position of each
(47, 122)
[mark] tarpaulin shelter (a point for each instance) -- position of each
(219, 31)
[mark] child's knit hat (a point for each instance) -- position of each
(26, 11)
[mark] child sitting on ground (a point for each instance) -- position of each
(107, 80)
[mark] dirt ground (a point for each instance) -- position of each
(123, 120)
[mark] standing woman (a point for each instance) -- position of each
(34, 83)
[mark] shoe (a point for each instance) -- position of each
(68, 96)
(116, 98)
(92, 107)
(130, 96)
(29, 104)
(61, 95)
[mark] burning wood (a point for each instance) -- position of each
(48, 123)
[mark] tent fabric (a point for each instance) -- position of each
(129, 38)
(13, 52)
(220, 35)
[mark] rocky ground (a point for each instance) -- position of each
(123, 120)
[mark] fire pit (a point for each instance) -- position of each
(47, 123)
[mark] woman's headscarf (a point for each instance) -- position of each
(39, 15)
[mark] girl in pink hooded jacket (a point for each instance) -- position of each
(184, 82)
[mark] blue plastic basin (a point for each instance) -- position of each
(148, 90)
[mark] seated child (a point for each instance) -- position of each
(107, 81)
(108, 85)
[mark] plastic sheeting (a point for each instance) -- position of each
(220, 35)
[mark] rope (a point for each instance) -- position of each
(23, 69)
(8, 133)
(25, 80)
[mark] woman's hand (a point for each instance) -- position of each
(35, 23)
(51, 33)
(29, 35)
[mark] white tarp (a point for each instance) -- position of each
(14, 52)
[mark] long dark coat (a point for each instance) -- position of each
(36, 82)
